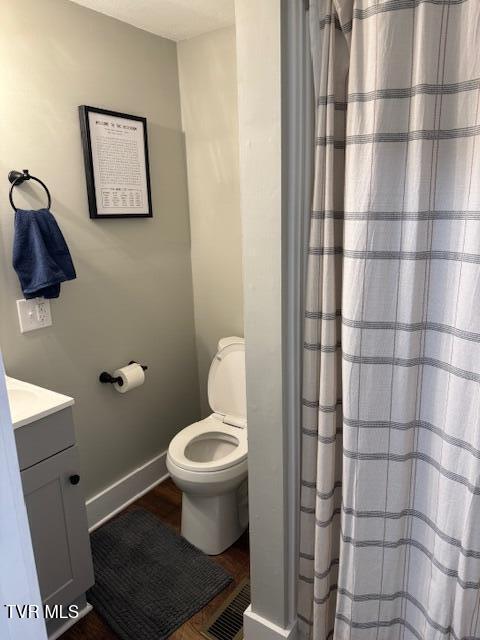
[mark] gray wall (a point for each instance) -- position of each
(133, 295)
(208, 89)
(272, 522)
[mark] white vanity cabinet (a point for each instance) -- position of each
(52, 487)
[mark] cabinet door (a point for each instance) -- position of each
(58, 526)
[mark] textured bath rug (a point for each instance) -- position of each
(148, 579)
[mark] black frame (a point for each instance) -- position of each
(83, 111)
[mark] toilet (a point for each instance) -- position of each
(208, 459)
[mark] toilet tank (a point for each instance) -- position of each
(226, 379)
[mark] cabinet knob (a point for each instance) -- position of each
(75, 479)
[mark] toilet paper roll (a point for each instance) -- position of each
(132, 376)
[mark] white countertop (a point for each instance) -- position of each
(29, 403)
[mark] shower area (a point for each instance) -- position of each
(389, 533)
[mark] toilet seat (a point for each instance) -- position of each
(211, 429)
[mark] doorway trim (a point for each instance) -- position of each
(297, 180)
(18, 573)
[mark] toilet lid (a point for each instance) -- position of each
(209, 445)
(226, 381)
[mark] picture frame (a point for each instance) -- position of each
(117, 169)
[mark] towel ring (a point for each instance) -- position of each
(17, 178)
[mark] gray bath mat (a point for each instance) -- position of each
(148, 579)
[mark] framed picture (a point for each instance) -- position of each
(115, 150)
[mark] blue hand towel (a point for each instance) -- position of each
(40, 254)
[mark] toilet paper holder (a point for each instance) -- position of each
(106, 377)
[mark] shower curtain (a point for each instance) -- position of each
(390, 472)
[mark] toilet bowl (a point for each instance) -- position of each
(208, 459)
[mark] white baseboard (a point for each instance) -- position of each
(69, 623)
(120, 494)
(256, 627)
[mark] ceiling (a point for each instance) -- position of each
(173, 19)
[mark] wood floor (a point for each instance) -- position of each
(165, 502)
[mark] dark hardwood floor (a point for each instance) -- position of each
(165, 502)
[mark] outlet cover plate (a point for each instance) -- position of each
(34, 314)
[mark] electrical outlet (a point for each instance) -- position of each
(34, 314)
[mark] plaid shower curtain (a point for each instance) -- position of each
(390, 501)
